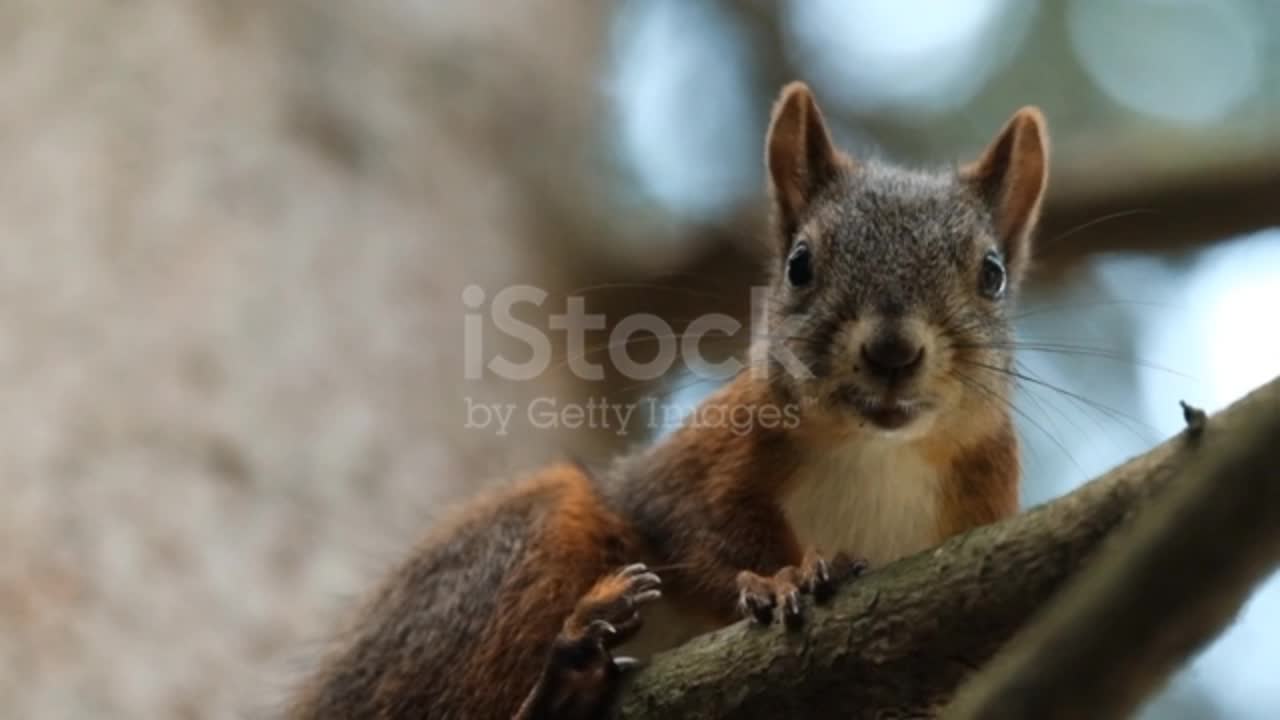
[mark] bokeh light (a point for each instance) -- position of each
(680, 91)
(1187, 62)
(910, 54)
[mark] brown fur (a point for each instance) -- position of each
(982, 484)
(463, 628)
(515, 606)
(705, 502)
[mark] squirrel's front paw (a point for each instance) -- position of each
(820, 577)
(758, 596)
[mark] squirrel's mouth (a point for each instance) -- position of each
(893, 416)
(886, 413)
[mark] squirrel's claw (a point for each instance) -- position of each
(791, 613)
(820, 577)
(610, 612)
(626, 663)
(758, 595)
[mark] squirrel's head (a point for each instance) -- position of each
(891, 295)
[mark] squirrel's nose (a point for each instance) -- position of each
(893, 357)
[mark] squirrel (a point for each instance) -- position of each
(892, 288)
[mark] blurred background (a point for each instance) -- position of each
(236, 235)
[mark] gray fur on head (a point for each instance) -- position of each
(897, 251)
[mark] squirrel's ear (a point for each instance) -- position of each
(1011, 176)
(799, 156)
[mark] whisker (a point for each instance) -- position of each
(1118, 215)
(646, 286)
(1026, 388)
(1070, 350)
(1003, 402)
(674, 389)
(1115, 414)
(1041, 310)
(1049, 418)
(647, 338)
(671, 566)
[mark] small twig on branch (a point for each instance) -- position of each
(1158, 592)
(1195, 418)
(900, 641)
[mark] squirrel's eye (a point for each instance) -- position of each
(992, 278)
(799, 266)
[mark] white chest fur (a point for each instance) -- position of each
(876, 499)
(873, 498)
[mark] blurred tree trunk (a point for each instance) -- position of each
(236, 236)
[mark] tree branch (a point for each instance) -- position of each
(899, 642)
(1158, 592)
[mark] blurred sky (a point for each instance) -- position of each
(1132, 334)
